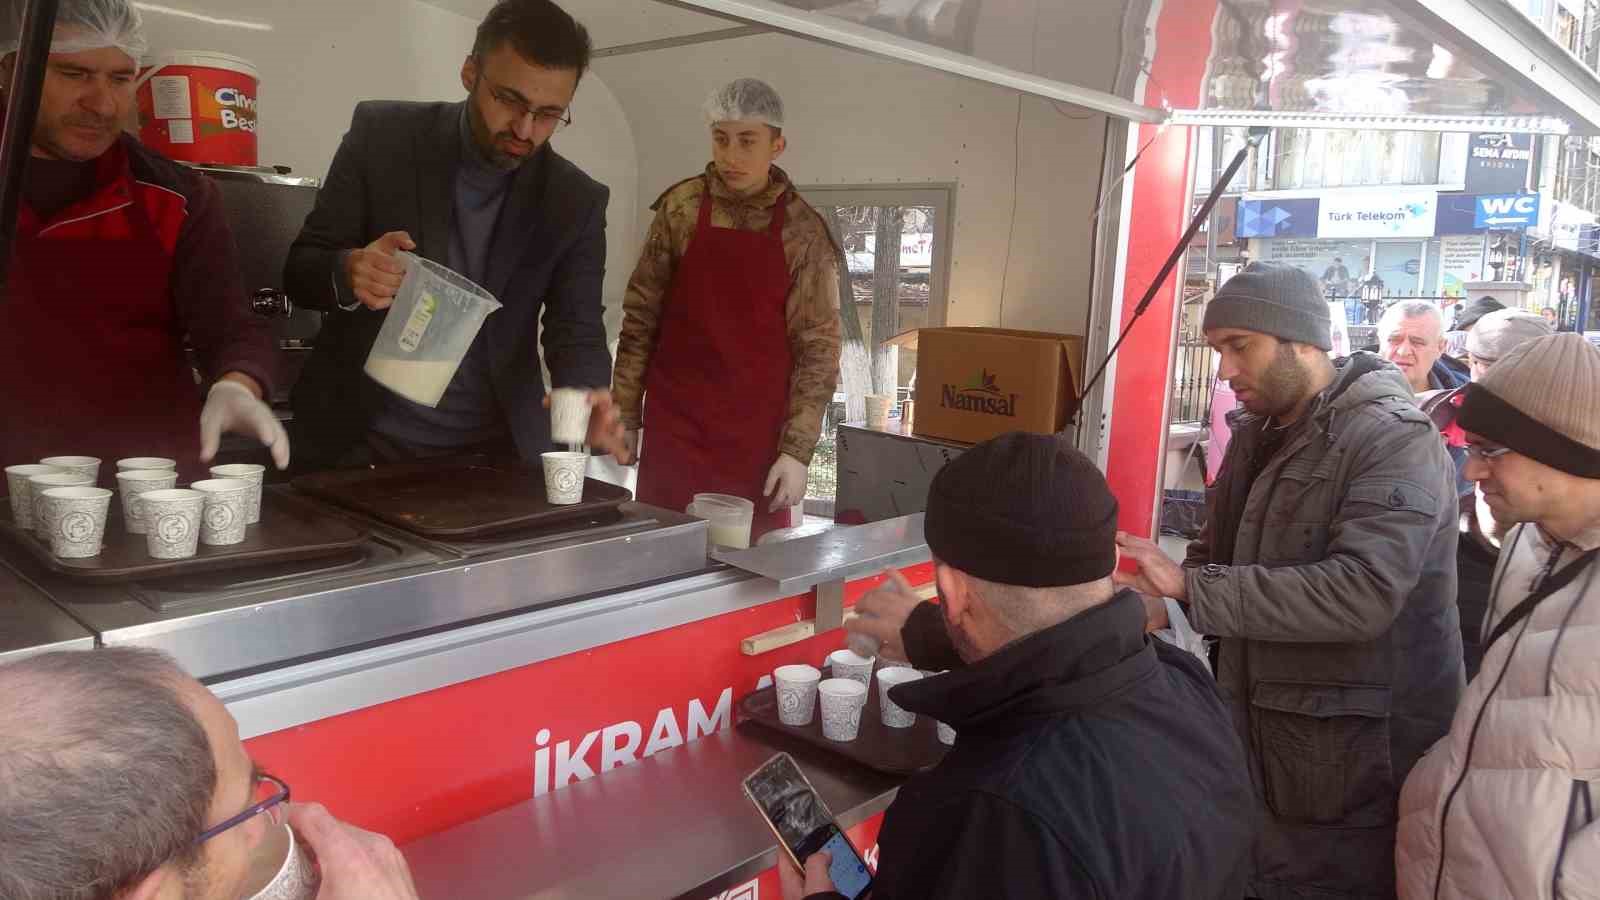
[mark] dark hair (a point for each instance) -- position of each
(105, 773)
(540, 31)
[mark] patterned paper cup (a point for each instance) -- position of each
(797, 693)
(256, 475)
(133, 482)
(147, 464)
(295, 877)
(81, 465)
(563, 477)
(172, 522)
(842, 703)
(76, 519)
(893, 715)
(852, 665)
(21, 494)
(227, 510)
(569, 416)
(38, 484)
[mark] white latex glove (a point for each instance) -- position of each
(786, 483)
(230, 407)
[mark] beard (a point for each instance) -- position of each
(489, 142)
(1283, 385)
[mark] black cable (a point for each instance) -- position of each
(1182, 247)
(22, 109)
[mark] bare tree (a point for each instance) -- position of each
(855, 366)
(886, 300)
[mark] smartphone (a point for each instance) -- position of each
(796, 814)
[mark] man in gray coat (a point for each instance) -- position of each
(1327, 568)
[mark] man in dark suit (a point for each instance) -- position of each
(476, 186)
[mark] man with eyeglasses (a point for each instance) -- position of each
(1507, 804)
(122, 778)
(474, 185)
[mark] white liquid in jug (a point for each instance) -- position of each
(733, 535)
(417, 381)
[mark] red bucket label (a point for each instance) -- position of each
(199, 114)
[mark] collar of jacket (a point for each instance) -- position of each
(114, 175)
(1359, 378)
(764, 200)
(1069, 666)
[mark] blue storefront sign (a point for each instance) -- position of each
(1277, 218)
(1506, 211)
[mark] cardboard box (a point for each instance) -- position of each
(976, 383)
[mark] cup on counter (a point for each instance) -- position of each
(281, 870)
(842, 703)
(730, 519)
(797, 693)
(569, 416)
(21, 495)
(893, 715)
(38, 484)
(133, 482)
(172, 522)
(147, 464)
(852, 665)
(256, 475)
(80, 465)
(76, 519)
(563, 477)
(878, 411)
(223, 521)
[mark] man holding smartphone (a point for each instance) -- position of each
(1090, 761)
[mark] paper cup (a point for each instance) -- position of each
(147, 464)
(878, 411)
(133, 482)
(256, 475)
(76, 518)
(851, 665)
(797, 693)
(224, 519)
(893, 715)
(295, 877)
(38, 484)
(569, 416)
(80, 465)
(842, 703)
(21, 494)
(563, 477)
(172, 522)
(947, 735)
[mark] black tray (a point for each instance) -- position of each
(457, 498)
(290, 529)
(895, 751)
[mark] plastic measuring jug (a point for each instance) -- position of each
(428, 330)
(730, 518)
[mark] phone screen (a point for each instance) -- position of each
(804, 823)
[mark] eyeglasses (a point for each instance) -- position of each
(270, 794)
(543, 117)
(1486, 454)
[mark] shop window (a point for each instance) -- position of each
(1321, 157)
(873, 309)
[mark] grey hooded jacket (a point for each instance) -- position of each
(1340, 650)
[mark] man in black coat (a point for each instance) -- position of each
(477, 187)
(1090, 761)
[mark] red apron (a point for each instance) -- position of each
(717, 393)
(91, 349)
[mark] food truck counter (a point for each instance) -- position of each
(29, 623)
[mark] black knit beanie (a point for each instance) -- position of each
(1023, 509)
(1476, 309)
(1273, 299)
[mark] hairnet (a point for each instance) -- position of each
(745, 100)
(81, 25)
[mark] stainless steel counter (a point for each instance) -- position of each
(30, 624)
(673, 825)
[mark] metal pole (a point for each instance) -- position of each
(22, 109)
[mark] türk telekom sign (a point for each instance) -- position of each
(1377, 214)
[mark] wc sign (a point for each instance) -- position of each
(1506, 211)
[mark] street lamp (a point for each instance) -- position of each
(1372, 297)
(1497, 255)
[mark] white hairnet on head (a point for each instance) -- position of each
(81, 25)
(745, 100)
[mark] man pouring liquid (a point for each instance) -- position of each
(729, 350)
(120, 256)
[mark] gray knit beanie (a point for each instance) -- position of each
(1279, 300)
(1540, 400)
(1498, 332)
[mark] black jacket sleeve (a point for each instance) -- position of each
(314, 275)
(574, 312)
(927, 642)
